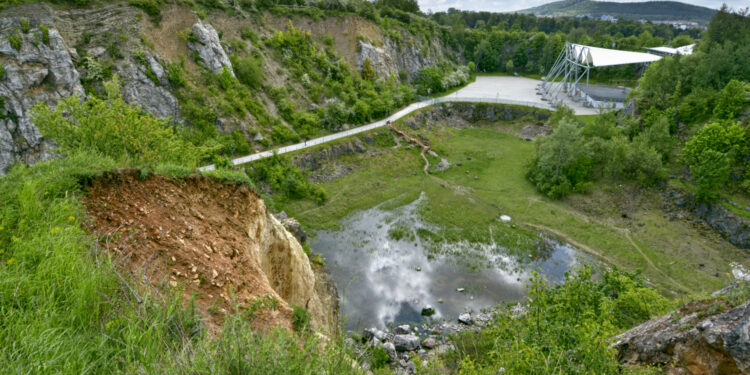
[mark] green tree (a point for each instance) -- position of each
(682, 40)
(658, 137)
(368, 72)
(710, 171)
(730, 100)
(561, 164)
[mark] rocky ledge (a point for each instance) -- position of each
(703, 337)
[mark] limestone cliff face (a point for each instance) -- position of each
(35, 69)
(704, 337)
(43, 68)
(288, 269)
(392, 57)
(87, 46)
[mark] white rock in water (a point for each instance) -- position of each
(505, 218)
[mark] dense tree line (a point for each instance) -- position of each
(524, 43)
(691, 117)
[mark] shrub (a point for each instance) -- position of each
(45, 34)
(248, 71)
(15, 40)
(710, 171)
(368, 72)
(150, 7)
(429, 81)
(281, 133)
(2, 72)
(378, 357)
(115, 129)
(287, 179)
(226, 79)
(730, 100)
(25, 25)
(300, 319)
(567, 328)
(658, 137)
(560, 165)
(249, 34)
(174, 74)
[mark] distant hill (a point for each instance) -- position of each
(649, 10)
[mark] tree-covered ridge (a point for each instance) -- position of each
(692, 121)
(648, 10)
(502, 42)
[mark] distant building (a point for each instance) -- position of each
(681, 25)
(607, 17)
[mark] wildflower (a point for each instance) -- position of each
(71, 218)
(11, 261)
(55, 230)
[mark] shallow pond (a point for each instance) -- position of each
(382, 279)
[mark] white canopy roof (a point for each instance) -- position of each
(597, 56)
(684, 50)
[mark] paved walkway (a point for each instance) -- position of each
(501, 90)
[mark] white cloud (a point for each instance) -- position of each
(511, 5)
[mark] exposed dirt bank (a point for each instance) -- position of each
(215, 239)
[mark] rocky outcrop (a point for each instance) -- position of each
(322, 164)
(205, 42)
(687, 342)
(464, 115)
(36, 69)
(138, 88)
(733, 227)
(392, 57)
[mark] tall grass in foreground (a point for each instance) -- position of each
(64, 308)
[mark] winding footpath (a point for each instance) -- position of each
(486, 89)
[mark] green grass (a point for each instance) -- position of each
(587, 119)
(467, 206)
(64, 308)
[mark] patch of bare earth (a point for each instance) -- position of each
(192, 234)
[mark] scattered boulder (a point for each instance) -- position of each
(429, 343)
(295, 228)
(465, 318)
(391, 350)
(208, 47)
(402, 329)
(406, 343)
(443, 165)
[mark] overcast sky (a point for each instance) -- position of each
(511, 5)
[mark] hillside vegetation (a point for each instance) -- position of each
(66, 306)
(647, 10)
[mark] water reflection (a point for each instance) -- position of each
(382, 279)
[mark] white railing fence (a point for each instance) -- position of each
(377, 124)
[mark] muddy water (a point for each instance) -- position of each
(383, 280)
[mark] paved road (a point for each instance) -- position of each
(501, 90)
